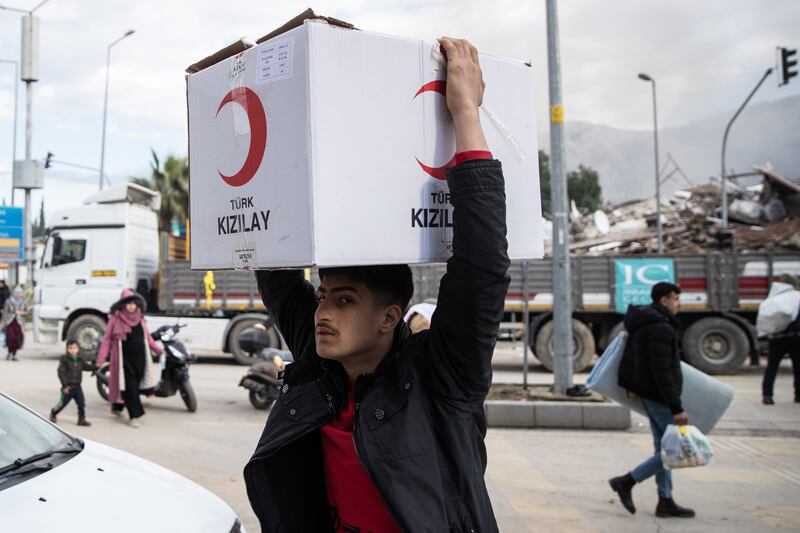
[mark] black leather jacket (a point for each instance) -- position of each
(420, 424)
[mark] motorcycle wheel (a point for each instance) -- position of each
(188, 395)
(261, 401)
(101, 379)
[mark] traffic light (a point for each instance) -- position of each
(788, 64)
(48, 161)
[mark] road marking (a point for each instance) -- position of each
(737, 446)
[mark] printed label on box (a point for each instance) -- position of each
(275, 61)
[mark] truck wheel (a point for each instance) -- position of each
(715, 345)
(242, 357)
(609, 337)
(582, 341)
(87, 330)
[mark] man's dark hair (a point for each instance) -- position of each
(70, 342)
(663, 289)
(390, 284)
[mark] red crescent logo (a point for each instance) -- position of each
(250, 102)
(437, 86)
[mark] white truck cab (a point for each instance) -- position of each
(92, 253)
(111, 243)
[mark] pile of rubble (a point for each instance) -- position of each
(765, 216)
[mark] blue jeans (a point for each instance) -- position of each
(75, 393)
(660, 417)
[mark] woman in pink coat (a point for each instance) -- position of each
(129, 346)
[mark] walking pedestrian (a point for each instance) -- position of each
(651, 369)
(129, 347)
(70, 374)
(787, 342)
(13, 312)
(378, 429)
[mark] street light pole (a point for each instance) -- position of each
(14, 273)
(659, 228)
(105, 107)
(29, 74)
(16, 106)
(724, 199)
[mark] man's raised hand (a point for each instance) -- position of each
(464, 93)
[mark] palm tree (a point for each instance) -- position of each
(172, 182)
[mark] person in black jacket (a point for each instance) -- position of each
(376, 429)
(70, 374)
(651, 369)
(4, 293)
(787, 342)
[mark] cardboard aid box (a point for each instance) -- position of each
(327, 146)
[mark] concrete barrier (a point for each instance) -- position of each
(557, 415)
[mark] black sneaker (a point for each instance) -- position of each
(53, 418)
(767, 400)
(667, 508)
(623, 485)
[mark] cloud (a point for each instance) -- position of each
(705, 56)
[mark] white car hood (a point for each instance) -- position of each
(103, 489)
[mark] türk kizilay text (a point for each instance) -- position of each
(244, 222)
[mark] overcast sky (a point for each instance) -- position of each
(705, 55)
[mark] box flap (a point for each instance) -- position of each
(241, 45)
(229, 51)
(296, 22)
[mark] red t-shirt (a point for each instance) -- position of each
(356, 505)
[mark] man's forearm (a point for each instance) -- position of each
(469, 134)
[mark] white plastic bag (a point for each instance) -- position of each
(778, 310)
(685, 446)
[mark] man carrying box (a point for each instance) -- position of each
(376, 429)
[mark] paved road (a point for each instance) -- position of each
(552, 481)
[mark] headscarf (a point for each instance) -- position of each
(16, 296)
(123, 321)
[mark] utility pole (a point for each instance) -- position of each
(33, 173)
(562, 286)
(28, 174)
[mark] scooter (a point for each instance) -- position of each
(174, 363)
(263, 378)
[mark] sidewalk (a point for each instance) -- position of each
(556, 482)
(746, 415)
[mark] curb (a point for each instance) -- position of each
(557, 415)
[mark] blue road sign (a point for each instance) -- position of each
(635, 279)
(12, 235)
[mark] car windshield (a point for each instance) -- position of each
(23, 434)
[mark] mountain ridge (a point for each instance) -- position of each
(764, 132)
